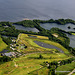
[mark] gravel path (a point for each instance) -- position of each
(45, 45)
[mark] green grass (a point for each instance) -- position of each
(30, 62)
(73, 74)
(73, 33)
(37, 36)
(67, 67)
(62, 39)
(27, 64)
(41, 71)
(2, 44)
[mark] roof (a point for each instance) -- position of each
(9, 54)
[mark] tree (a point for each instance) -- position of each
(69, 27)
(52, 71)
(40, 56)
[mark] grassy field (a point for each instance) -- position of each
(29, 62)
(67, 67)
(31, 46)
(41, 71)
(2, 44)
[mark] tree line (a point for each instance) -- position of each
(59, 21)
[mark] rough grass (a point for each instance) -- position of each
(27, 65)
(39, 37)
(2, 44)
(42, 37)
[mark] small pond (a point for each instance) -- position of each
(63, 27)
(20, 27)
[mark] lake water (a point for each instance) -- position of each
(72, 40)
(63, 27)
(16, 10)
(9, 36)
(20, 27)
